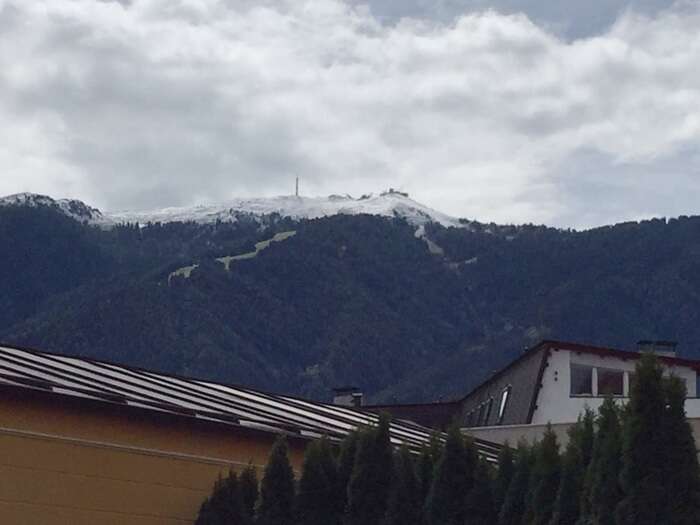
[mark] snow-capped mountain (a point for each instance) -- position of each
(388, 204)
(76, 209)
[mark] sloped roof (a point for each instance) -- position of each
(80, 377)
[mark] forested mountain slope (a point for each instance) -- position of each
(347, 299)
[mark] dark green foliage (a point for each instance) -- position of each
(346, 462)
(277, 488)
(248, 481)
(602, 490)
(225, 506)
(544, 481)
(371, 476)
(348, 300)
(504, 475)
(427, 460)
(682, 476)
(317, 497)
(644, 458)
(480, 504)
(515, 503)
(452, 481)
(577, 457)
(405, 503)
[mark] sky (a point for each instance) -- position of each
(569, 113)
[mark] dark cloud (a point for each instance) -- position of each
(570, 18)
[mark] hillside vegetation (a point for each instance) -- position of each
(348, 299)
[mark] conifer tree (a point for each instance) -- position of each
(577, 457)
(544, 481)
(514, 505)
(371, 476)
(452, 481)
(277, 488)
(224, 506)
(682, 476)
(346, 461)
(316, 503)
(504, 475)
(566, 505)
(404, 505)
(248, 482)
(427, 460)
(480, 504)
(643, 456)
(602, 491)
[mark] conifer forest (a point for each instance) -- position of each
(632, 464)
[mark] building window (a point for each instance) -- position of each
(581, 380)
(504, 402)
(610, 382)
(470, 419)
(489, 407)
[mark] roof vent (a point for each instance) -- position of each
(663, 348)
(347, 396)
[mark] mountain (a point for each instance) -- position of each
(72, 208)
(406, 308)
(390, 203)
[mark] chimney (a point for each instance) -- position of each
(347, 396)
(662, 348)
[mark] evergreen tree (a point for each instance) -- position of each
(480, 505)
(452, 480)
(277, 488)
(404, 505)
(371, 476)
(346, 461)
(577, 457)
(224, 506)
(544, 482)
(643, 456)
(248, 482)
(317, 496)
(566, 505)
(514, 505)
(504, 475)
(682, 476)
(602, 491)
(427, 460)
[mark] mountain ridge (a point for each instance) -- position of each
(390, 203)
(348, 299)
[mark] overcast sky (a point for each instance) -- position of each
(570, 113)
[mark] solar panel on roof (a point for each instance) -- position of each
(238, 406)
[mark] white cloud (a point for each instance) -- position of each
(165, 102)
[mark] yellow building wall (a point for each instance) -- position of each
(67, 462)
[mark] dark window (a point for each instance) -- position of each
(504, 403)
(480, 420)
(470, 419)
(610, 382)
(489, 407)
(581, 380)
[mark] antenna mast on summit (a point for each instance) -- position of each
(297, 188)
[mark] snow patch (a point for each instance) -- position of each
(259, 246)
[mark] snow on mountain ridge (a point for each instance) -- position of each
(386, 204)
(73, 208)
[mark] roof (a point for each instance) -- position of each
(621, 354)
(550, 344)
(438, 414)
(236, 406)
